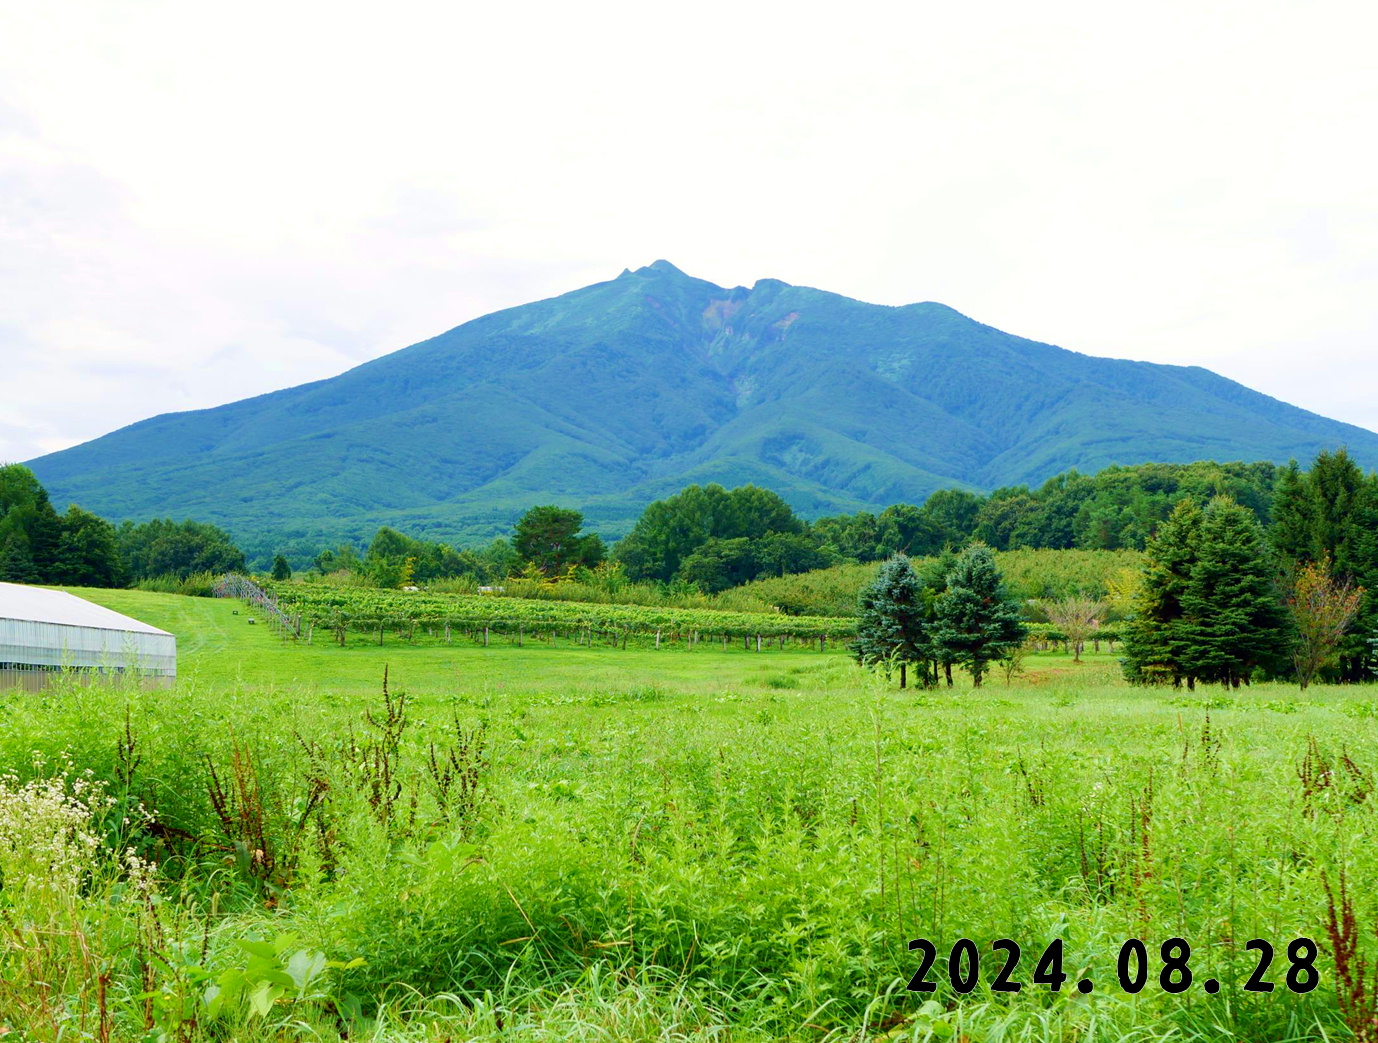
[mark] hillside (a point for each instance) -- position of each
(615, 394)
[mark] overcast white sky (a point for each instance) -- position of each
(203, 202)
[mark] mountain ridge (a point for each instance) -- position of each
(622, 391)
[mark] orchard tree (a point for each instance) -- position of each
(549, 538)
(977, 621)
(891, 616)
(1078, 617)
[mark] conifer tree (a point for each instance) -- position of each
(1292, 533)
(933, 574)
(282, 570)
(1233, 614)
(16, 561)
(976, 621)
(891, 619)
(1154, 638)
(1338, 492)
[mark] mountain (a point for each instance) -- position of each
(621, 392)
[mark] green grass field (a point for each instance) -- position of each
(604, 844)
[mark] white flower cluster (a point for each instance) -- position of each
(46, 842)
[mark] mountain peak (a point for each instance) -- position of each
(605, 401)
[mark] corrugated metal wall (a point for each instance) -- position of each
(30, 643)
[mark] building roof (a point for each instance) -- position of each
(40, 605)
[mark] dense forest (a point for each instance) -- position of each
(38, 545)
(718, 539)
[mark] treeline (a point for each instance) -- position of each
(1222, 599)
(547, 543)
(707, 539)
(716, 538)
(78, 548)
(1115, 509)
(393, 559)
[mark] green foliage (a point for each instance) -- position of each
(669, 531)
(30, 530)
(1231, 602)
(1208, 607)
(892, 617)
(163, 547)
(548, 538)
(1030, 574)
(1116, 509)
(976, 622)
(281, 569)
(1330, 514)
(39, 546)
(1293, 530)
(394, 558)
(1156, 638)
(195, 585)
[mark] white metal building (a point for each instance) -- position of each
(44, 631)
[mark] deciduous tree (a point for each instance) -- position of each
(1322, 609)
(1078, 617)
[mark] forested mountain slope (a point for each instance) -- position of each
(615, 394)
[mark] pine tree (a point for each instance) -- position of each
(1233, 615)
(976, 621)
(1293, 530)
(933, 573)
(891, 619)
(1338, 489)
(16, 562)
(1153, 641)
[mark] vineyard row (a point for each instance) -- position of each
(297, 611)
